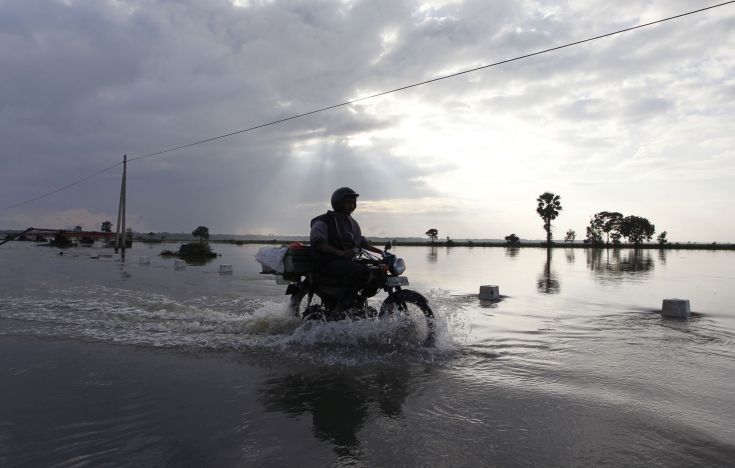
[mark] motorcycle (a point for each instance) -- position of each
(315, 297)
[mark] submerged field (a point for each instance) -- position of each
(104, 363)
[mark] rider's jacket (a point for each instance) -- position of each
(339, 230)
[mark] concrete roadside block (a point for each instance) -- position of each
(676, 308)
(489, 292)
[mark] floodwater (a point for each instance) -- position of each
(104, 364)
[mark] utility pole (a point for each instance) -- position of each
(120, 233)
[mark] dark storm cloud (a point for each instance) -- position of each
(91, 81)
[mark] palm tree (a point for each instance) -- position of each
(549, 206)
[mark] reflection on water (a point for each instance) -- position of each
(431, 256)
(548, 283)
(512, 251)
(339, 402)
(615, 264)
(570, 256)
(124, 274)
(662, 253)
(199, 261)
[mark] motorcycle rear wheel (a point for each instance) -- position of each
(298, 305)
(413, 305)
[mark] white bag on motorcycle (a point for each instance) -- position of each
(271, 259)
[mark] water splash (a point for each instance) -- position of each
(224, 323)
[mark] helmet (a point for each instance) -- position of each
(342, 193)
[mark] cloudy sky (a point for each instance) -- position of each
(640, 123)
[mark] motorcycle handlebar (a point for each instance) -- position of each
(360, 251)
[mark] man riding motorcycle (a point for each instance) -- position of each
(334, 237)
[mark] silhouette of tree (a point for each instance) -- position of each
(433, 235)
(106, 226)
(571, 235)
(661, 238)
(202, 232)
(594, 230)
(636, 229)
(549, 206)
(512, 239)
(77, 228)
(607, 222)
(611, 224)
(594, 235)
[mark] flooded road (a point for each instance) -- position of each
(133, 364)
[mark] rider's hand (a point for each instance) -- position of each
(348, 254)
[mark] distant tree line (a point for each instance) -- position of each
(614, 226)
(605, 228)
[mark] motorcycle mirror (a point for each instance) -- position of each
(388, 245)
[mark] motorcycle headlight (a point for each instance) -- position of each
(398, 266)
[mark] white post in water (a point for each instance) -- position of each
(676, 308)
(489, 292)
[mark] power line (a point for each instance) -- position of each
(372, 96)
(65, 186)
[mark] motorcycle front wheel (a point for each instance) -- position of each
(410, 304)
